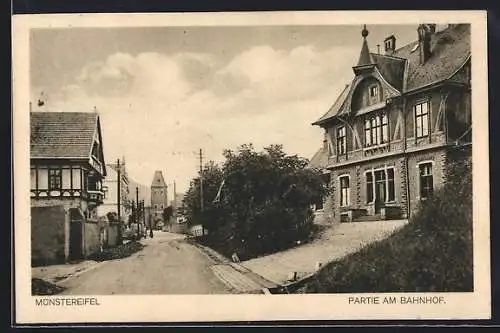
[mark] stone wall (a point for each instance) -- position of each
(112, 237)
(48, 235)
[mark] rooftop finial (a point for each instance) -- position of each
(364, 32)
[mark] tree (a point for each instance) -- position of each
(264, 200)
(112, 216)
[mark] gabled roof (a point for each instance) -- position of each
(335, 108)
(392, 69)
(450, 49)
(319, 160)
(62, 134)
(158, 180)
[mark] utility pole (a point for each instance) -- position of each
(137, 212)
(201, 189)
(118, 199)
(201, 180)
(175, 203)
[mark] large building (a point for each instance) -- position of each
(159, 197)
(67, 171)
(388, 135)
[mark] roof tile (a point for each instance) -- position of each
(62, 134)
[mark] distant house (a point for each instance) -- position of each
(67, 171)
(111, 186)
(391, 132)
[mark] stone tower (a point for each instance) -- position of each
(159, 197)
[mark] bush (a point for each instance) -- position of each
(41, 287)
(433, 253)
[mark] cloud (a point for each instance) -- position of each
(158, 110)
(274, 75)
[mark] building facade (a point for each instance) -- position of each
(159, 197)
(388, 135)
(67, 171)
(111, 189)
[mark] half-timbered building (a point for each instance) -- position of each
(67, 170)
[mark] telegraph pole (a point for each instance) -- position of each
(201, 180)
(175, 203)
(137, 211)
(118, 200)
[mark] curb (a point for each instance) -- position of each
(78, 273)
(236, 266)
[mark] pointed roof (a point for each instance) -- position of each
(158, 180)
(402, 70)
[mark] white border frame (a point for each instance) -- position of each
(139, 308)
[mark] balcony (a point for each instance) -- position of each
(95, 196)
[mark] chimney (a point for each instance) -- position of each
(390, 44)
(424, 42)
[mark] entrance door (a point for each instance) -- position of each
(75, 235)
(379, 190)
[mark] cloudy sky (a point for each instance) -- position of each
(165, 92)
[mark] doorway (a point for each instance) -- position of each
(75, 235)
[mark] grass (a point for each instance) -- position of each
(41, 287)
(433, 253)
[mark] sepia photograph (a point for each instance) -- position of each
(204, 157)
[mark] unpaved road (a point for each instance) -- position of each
(167, 265)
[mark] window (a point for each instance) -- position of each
(373, 91)
(380, 184)
(426, 180)
(368, 139)
(391, 195)
(344, 191)
(369, 187)
(422, 119)
(388, 44)
(376, 130)
(156, 206)
(384, 136)
(33, 178)
(54, 179)
(341, 140)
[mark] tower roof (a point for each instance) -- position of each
(158, 180)
(365, 58)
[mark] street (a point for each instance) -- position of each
(167, 265)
